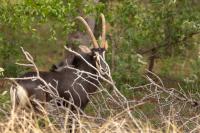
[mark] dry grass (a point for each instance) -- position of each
(26, 122)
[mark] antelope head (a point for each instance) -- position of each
(94, 55)
(97, 51)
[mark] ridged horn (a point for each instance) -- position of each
(103, 43)
(94, 41)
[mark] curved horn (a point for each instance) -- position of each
(95, 44)
(103, 43)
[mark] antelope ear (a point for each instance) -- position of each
(84, 49)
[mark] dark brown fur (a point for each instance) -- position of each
(78, 89)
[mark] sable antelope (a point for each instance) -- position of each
(68, 84)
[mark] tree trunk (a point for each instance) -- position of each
(168, 32)
(152, 60)
(113, 55)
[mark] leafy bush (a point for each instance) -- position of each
(25, 23)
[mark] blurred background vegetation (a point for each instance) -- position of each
(161, 36)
